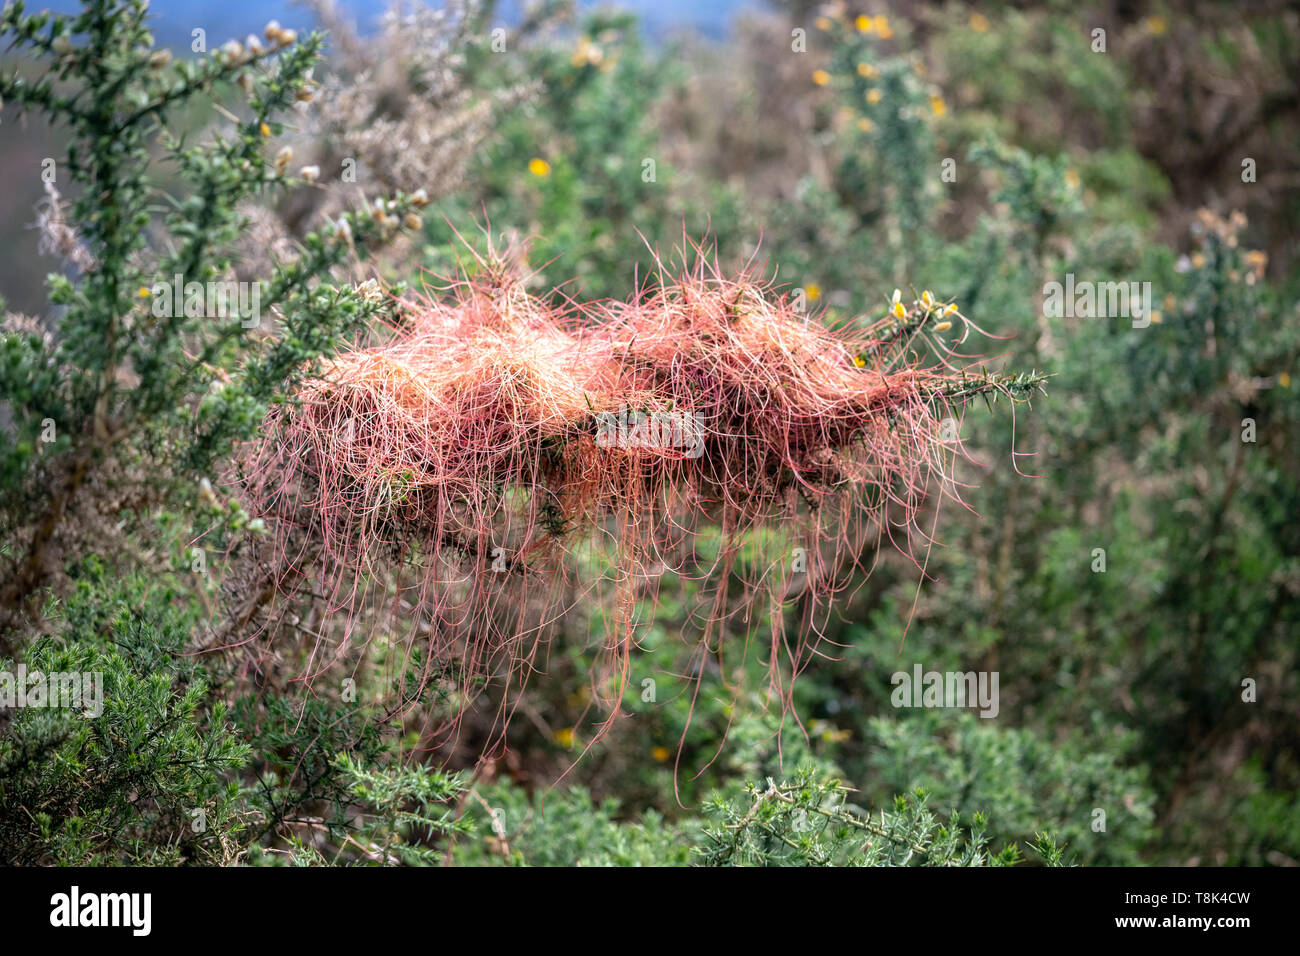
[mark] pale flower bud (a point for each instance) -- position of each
(206, 493)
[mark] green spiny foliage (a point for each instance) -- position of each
(807, 822)
(146, 781)
(401, 815)
(126, 380)
(565, 828)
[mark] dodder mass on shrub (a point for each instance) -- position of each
(500, 458)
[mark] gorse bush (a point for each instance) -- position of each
(148, 780)
(142, 388)
(805, 822)
(132, 400)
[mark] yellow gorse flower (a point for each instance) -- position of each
(896, 305)
(864, 24)
(821, 77)
(660, 753)
(587, 53)
(873, 96)
(979, 23)
(813, 291)
(539, 167)
(937, 106)
(866, 70)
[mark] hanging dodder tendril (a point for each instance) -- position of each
(499, 459)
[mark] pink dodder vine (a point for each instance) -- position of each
(498, 459)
